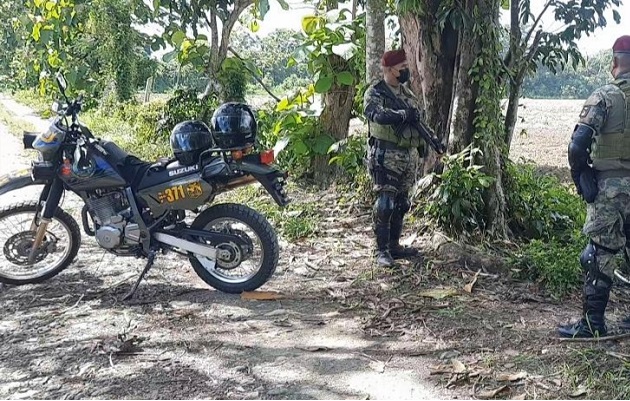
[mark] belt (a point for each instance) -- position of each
(387, 145)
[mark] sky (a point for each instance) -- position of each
(604, 38)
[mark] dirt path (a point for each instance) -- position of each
(72, 338)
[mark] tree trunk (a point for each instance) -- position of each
(436, 64)
(511, 114)
(494, 196)
(375, 38)
(334, 120)
(466, 90)
(491, 134)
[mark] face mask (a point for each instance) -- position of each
(404, 76)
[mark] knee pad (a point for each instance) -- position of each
(402, 204)
(383, 207)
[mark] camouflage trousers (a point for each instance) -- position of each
(392, 169)
(608, 222)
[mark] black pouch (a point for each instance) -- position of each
(588, 184)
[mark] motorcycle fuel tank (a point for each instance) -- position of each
(185, 192)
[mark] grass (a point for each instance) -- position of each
(15, 125)
(603, 375)
(297, 221)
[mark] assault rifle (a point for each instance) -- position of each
(425, 132)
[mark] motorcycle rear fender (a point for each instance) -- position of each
(16, 180)
(270, 177)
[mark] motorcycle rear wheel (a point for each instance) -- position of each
(15, 248)
(262, 245)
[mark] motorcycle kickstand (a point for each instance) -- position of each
(150, 261)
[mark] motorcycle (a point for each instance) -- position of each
(137, 208)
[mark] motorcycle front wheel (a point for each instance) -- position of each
(58, 249)
(237, 268)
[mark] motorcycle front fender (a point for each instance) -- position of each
(16, 180)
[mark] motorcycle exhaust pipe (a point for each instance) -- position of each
(208, 251)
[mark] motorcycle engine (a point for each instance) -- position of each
(112, 213)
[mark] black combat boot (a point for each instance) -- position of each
(383, 257)
(594, 304)
(398, 251)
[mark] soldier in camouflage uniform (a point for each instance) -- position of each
(599, 156)
(393, 153)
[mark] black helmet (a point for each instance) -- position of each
(234, 126)
(189, 139)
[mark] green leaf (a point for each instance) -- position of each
(300, 147)
(254, 26)
(170, 56)
(505, 4)
(36, 31)
(263, 8)
(178, 38)
(283, 105)
(345, 78)
(322, 143)
(309, 24)
(156, 5)
(46, 36)
(284, 4)
(323, 84)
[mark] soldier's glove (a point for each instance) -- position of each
(575, 176)
(441, 148)
(588, 184)
(410, 115)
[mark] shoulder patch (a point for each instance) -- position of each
(585, 111)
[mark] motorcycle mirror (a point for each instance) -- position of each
(56, 107)
(61, 81)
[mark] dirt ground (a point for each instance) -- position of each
(344, 329)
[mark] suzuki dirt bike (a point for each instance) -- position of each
(136, 208)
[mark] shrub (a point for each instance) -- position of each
(554, 262)
(539, 206)
(456, 204)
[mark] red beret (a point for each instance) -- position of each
(393, 57)
(622, 45)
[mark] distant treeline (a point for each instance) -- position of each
(570, 83)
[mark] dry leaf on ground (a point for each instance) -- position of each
(438, 293)
(511, 377)
(581, 390)
(458, 367)
(487, 394)
(469, 287)
(261, 295)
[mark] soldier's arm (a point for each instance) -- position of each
(592, 118)
(375, 112)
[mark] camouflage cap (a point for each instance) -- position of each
(622, 44)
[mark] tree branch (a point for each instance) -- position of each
(256, 77)
(531, 31)
(214, 35)
(228, 25)
(594, 339)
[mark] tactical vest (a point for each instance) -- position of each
(407, 138)
(611, 147)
